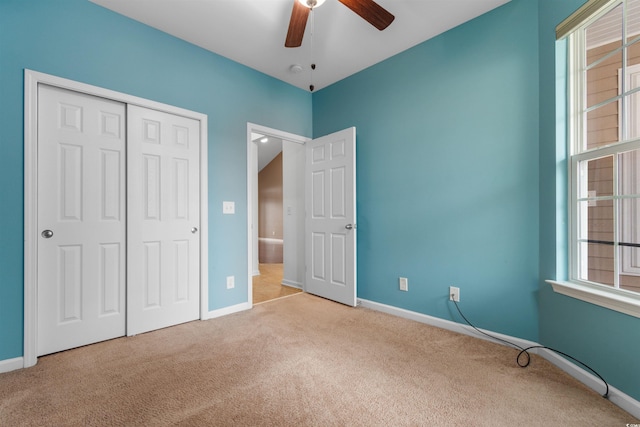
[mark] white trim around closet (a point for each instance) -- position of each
(31, 81)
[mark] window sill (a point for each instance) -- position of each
(613, 299)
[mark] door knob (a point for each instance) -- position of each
(194, 230)
(47, 234)
(349, 226)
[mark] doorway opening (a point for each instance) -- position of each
(319, 200)
(275, 213)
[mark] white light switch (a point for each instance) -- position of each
(231, 282)
(228, 207)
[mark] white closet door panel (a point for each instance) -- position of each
(163, 200)
(81, 188)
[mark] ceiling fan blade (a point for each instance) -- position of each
(297, 24)
(371, 12)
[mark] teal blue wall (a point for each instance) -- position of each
(78, 40)
(447, 171)
(462, 180)
(606, 340)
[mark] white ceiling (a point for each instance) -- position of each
(252, 32)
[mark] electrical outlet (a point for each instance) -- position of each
(228, 208)
(454, 294)
(231, 282)
(404, 284)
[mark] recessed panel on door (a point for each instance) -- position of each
(181, 188)
(111, 189)
(110, 279)
(181, 268)
(338, 149)
(152, 270)
(318, 194)
(151, 186)
(70, 179)
(339, 252)
(69, 284)
(318, 256)
(337, 194)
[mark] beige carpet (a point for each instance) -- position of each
(268, 284)
(298, 361)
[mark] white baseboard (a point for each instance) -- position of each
(11, 364)
(616, 396)
(291, 283)
(228, 310)
(443, 324)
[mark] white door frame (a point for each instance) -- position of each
(31, 81)
(252, 191)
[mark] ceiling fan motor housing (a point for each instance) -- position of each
(311, 3)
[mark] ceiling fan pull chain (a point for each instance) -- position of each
(313, 65)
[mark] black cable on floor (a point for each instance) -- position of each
(526, 351)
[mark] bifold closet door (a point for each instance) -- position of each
(81, 219)
(163, 273)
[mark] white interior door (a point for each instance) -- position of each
(81, 219)
(330, 244)
(163, 201)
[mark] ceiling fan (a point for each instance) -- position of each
(368, 10)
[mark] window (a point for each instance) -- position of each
(604, 152)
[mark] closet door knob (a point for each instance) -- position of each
(47, 234)
(194, 230)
